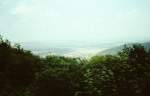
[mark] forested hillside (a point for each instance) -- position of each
(115, 50)
(25, 74)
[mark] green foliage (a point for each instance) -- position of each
(25, 74)
(125, 74)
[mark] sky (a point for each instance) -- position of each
(85, 20)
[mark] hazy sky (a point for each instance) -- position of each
(96, 20)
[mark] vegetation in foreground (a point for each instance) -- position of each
(25, 74)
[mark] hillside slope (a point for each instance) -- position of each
(115, 50)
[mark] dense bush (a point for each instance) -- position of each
(25, 74)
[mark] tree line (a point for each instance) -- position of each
(24, 74)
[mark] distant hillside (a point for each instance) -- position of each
(115, 50)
